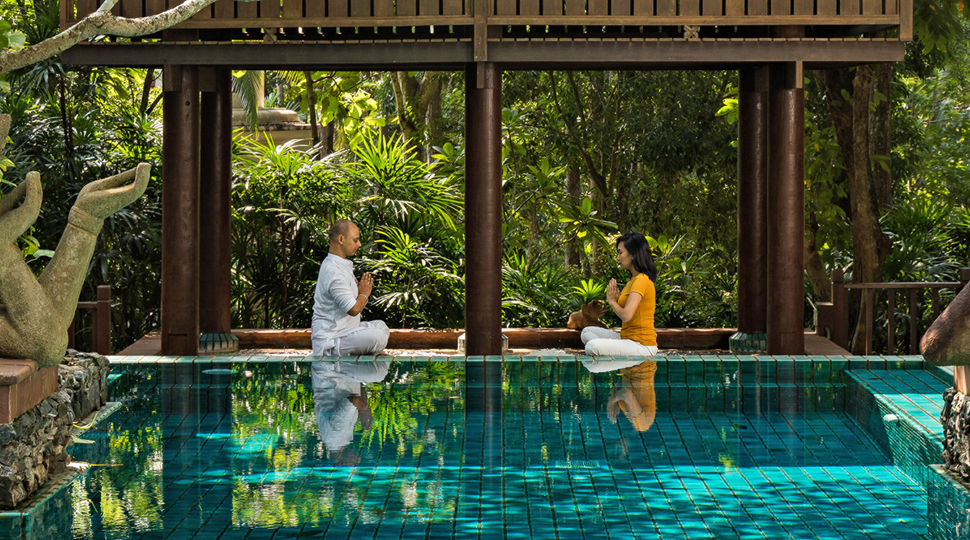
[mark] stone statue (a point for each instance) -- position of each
(947, 341)
(35, 313)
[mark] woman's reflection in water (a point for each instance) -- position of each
(635, 395)
(339, 400)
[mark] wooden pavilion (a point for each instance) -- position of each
(770, 42)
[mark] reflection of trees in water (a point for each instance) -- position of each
(124, 479)
(268, 478)
(422, 389)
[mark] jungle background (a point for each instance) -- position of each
(586, 156)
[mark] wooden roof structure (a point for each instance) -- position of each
(770, 42)
(518, 34)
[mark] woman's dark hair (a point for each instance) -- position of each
(638, 248)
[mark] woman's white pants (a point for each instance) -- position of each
(605, 342)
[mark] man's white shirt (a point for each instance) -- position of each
(335, 295)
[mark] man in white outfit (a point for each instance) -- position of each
(339, 298)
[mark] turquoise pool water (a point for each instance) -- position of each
(525, 449)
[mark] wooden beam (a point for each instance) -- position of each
(508, 15)
(512, 55)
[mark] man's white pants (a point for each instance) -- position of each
(605, 342)
(368, 338)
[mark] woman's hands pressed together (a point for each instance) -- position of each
(626, 311)
(612, 292)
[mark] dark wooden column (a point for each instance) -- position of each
(786, 210)
(180, 211)
(216, 213)
(483, 209)
(752, 211)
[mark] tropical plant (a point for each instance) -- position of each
(284, 200)
(535, 293)
(417, 285)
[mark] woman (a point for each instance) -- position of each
(634, 305)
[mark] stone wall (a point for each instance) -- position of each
(34, 445)
(956, 432)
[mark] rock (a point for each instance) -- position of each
(7, 433)
(955, 418)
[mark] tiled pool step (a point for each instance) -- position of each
(900, 409)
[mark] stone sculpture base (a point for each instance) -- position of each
(956, 432)
(33, 444)
(744, 343)
(218, 343)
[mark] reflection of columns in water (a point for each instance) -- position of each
(480, 496)
(197, 424)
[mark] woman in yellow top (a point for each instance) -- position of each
(634, 305)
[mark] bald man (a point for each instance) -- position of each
(339, 298)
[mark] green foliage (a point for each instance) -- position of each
(284, 200)
(588, 290)
(10, 40)
(418, 286)
(921, 230)
(937, 25)
(395, 187)
(343, 99)
(535, 293)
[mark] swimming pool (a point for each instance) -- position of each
(534, 448)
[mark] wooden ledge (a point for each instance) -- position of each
(519, 338)
(13, 371)
(22, 386)
(668, 338)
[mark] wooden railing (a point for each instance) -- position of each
(227, 14)
(100, 322)
(833, 317)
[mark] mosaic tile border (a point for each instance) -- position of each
(900, 411)
(947, 505)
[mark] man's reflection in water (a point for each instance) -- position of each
(339, 400)
(635, 395)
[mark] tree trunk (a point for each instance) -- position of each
(817, 275)
(311, 98)
(326, 139)
(880, 135)
(436, 136)
(146, 90)
(573, 192)
(848, 98)
(414, 101)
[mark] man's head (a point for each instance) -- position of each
(344, 238)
